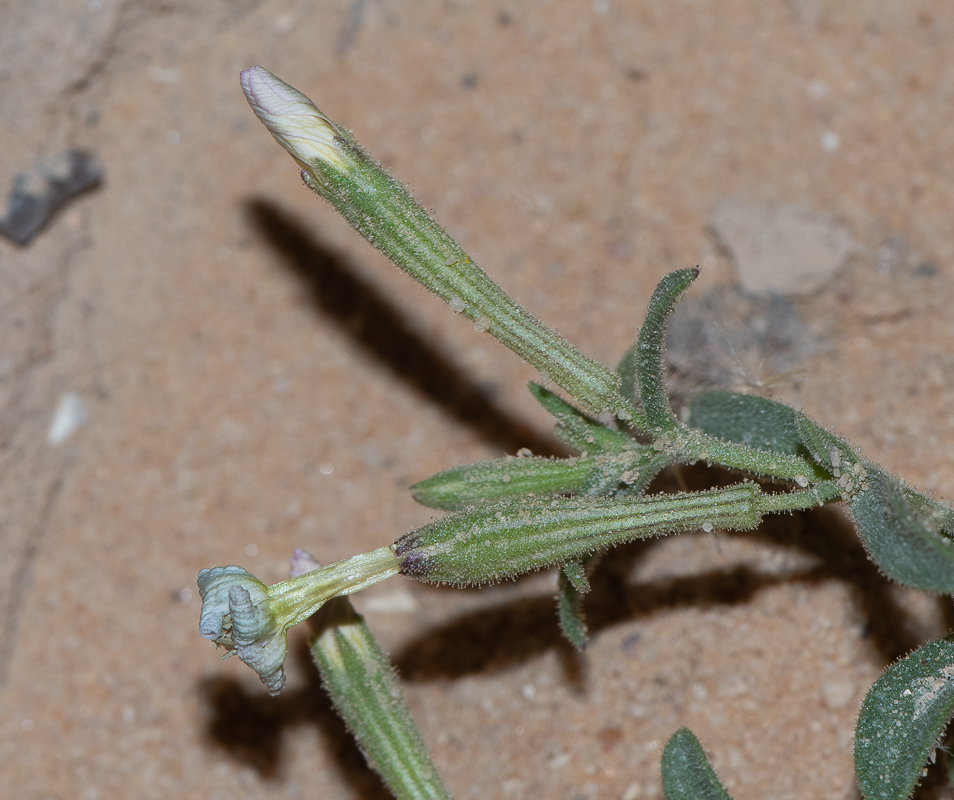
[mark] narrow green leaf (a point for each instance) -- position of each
(650, 369)
(502, 540)
(500, 478)
(367, 695)
(746, 419)
(905, 534)
(829, 451)
(937, 516)
(626, 369)
(686, 772)
(572, 585)
(575, 573)
(578, 430)
(902, 719)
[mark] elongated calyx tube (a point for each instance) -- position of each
(338, 169)
(502, 540)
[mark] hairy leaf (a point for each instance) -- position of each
(575, 573)
(902, 719)
(649, 349)
(828, 451)
(576, 429)
(905, 534)
(626, 369)
(746, 419)
(572, 586)
(686, 773)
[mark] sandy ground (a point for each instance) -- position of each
(256, 378)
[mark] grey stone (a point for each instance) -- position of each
(786, 248)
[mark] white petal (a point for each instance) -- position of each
(214, 586)
(294, 121)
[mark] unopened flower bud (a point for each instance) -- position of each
(297, 125)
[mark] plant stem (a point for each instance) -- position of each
(366, 693)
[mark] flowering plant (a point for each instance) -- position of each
(513, 515)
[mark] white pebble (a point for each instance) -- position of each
(838, 694)
(785, 248)
(817, 90)
(69, 415)
(400, 601)
(830, 141)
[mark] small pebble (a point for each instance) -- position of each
(787, 248)
(69, 415)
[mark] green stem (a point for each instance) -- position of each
(366, 693)
(819, 494)
(687, 445)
